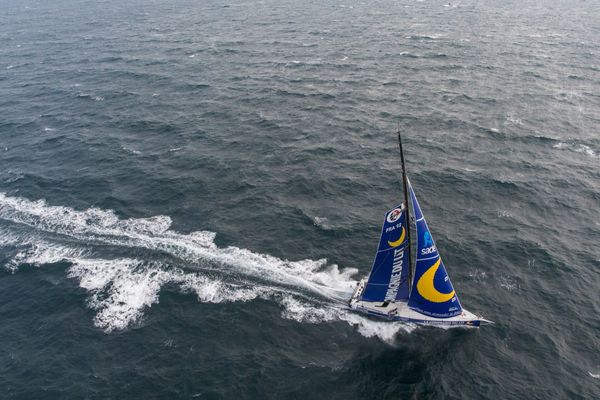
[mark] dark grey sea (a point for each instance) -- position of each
(189, 191)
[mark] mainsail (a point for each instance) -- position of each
(388, 279)
(432, 292)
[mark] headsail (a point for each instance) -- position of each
(432, 292)
(388, 279)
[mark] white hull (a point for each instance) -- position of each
(399, 311)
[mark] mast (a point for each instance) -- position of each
(405, 184)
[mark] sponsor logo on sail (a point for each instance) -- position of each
(427, 239)
(394, 215)
(394, 284)
(428, 246)
(399, 241)
(428, 250)
(426, 287)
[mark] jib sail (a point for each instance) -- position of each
(432, 292)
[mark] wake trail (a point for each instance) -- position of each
(122, 289)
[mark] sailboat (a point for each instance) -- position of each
(398, 289)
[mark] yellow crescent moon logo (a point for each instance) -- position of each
(398, 242)
(426, 288)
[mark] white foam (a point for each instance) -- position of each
(99, 226)
(133, 288)
(215, 291)
(577, 148)
(40, 253)
(513, 120)
(582, 148)
(8, 238)
(477, 275)
(323, 223)
(131, 151)
(504, 213)
(508, 283)
(304, 312)
(595, 376)
(34, 251)
(90, 96)
(121, 290)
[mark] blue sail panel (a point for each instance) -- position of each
(388, 280)
(432, 292)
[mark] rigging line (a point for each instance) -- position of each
(405, 184)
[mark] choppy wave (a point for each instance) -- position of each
(577, 148)
(122, 289)
(323, 223)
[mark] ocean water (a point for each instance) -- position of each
(189, 191)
